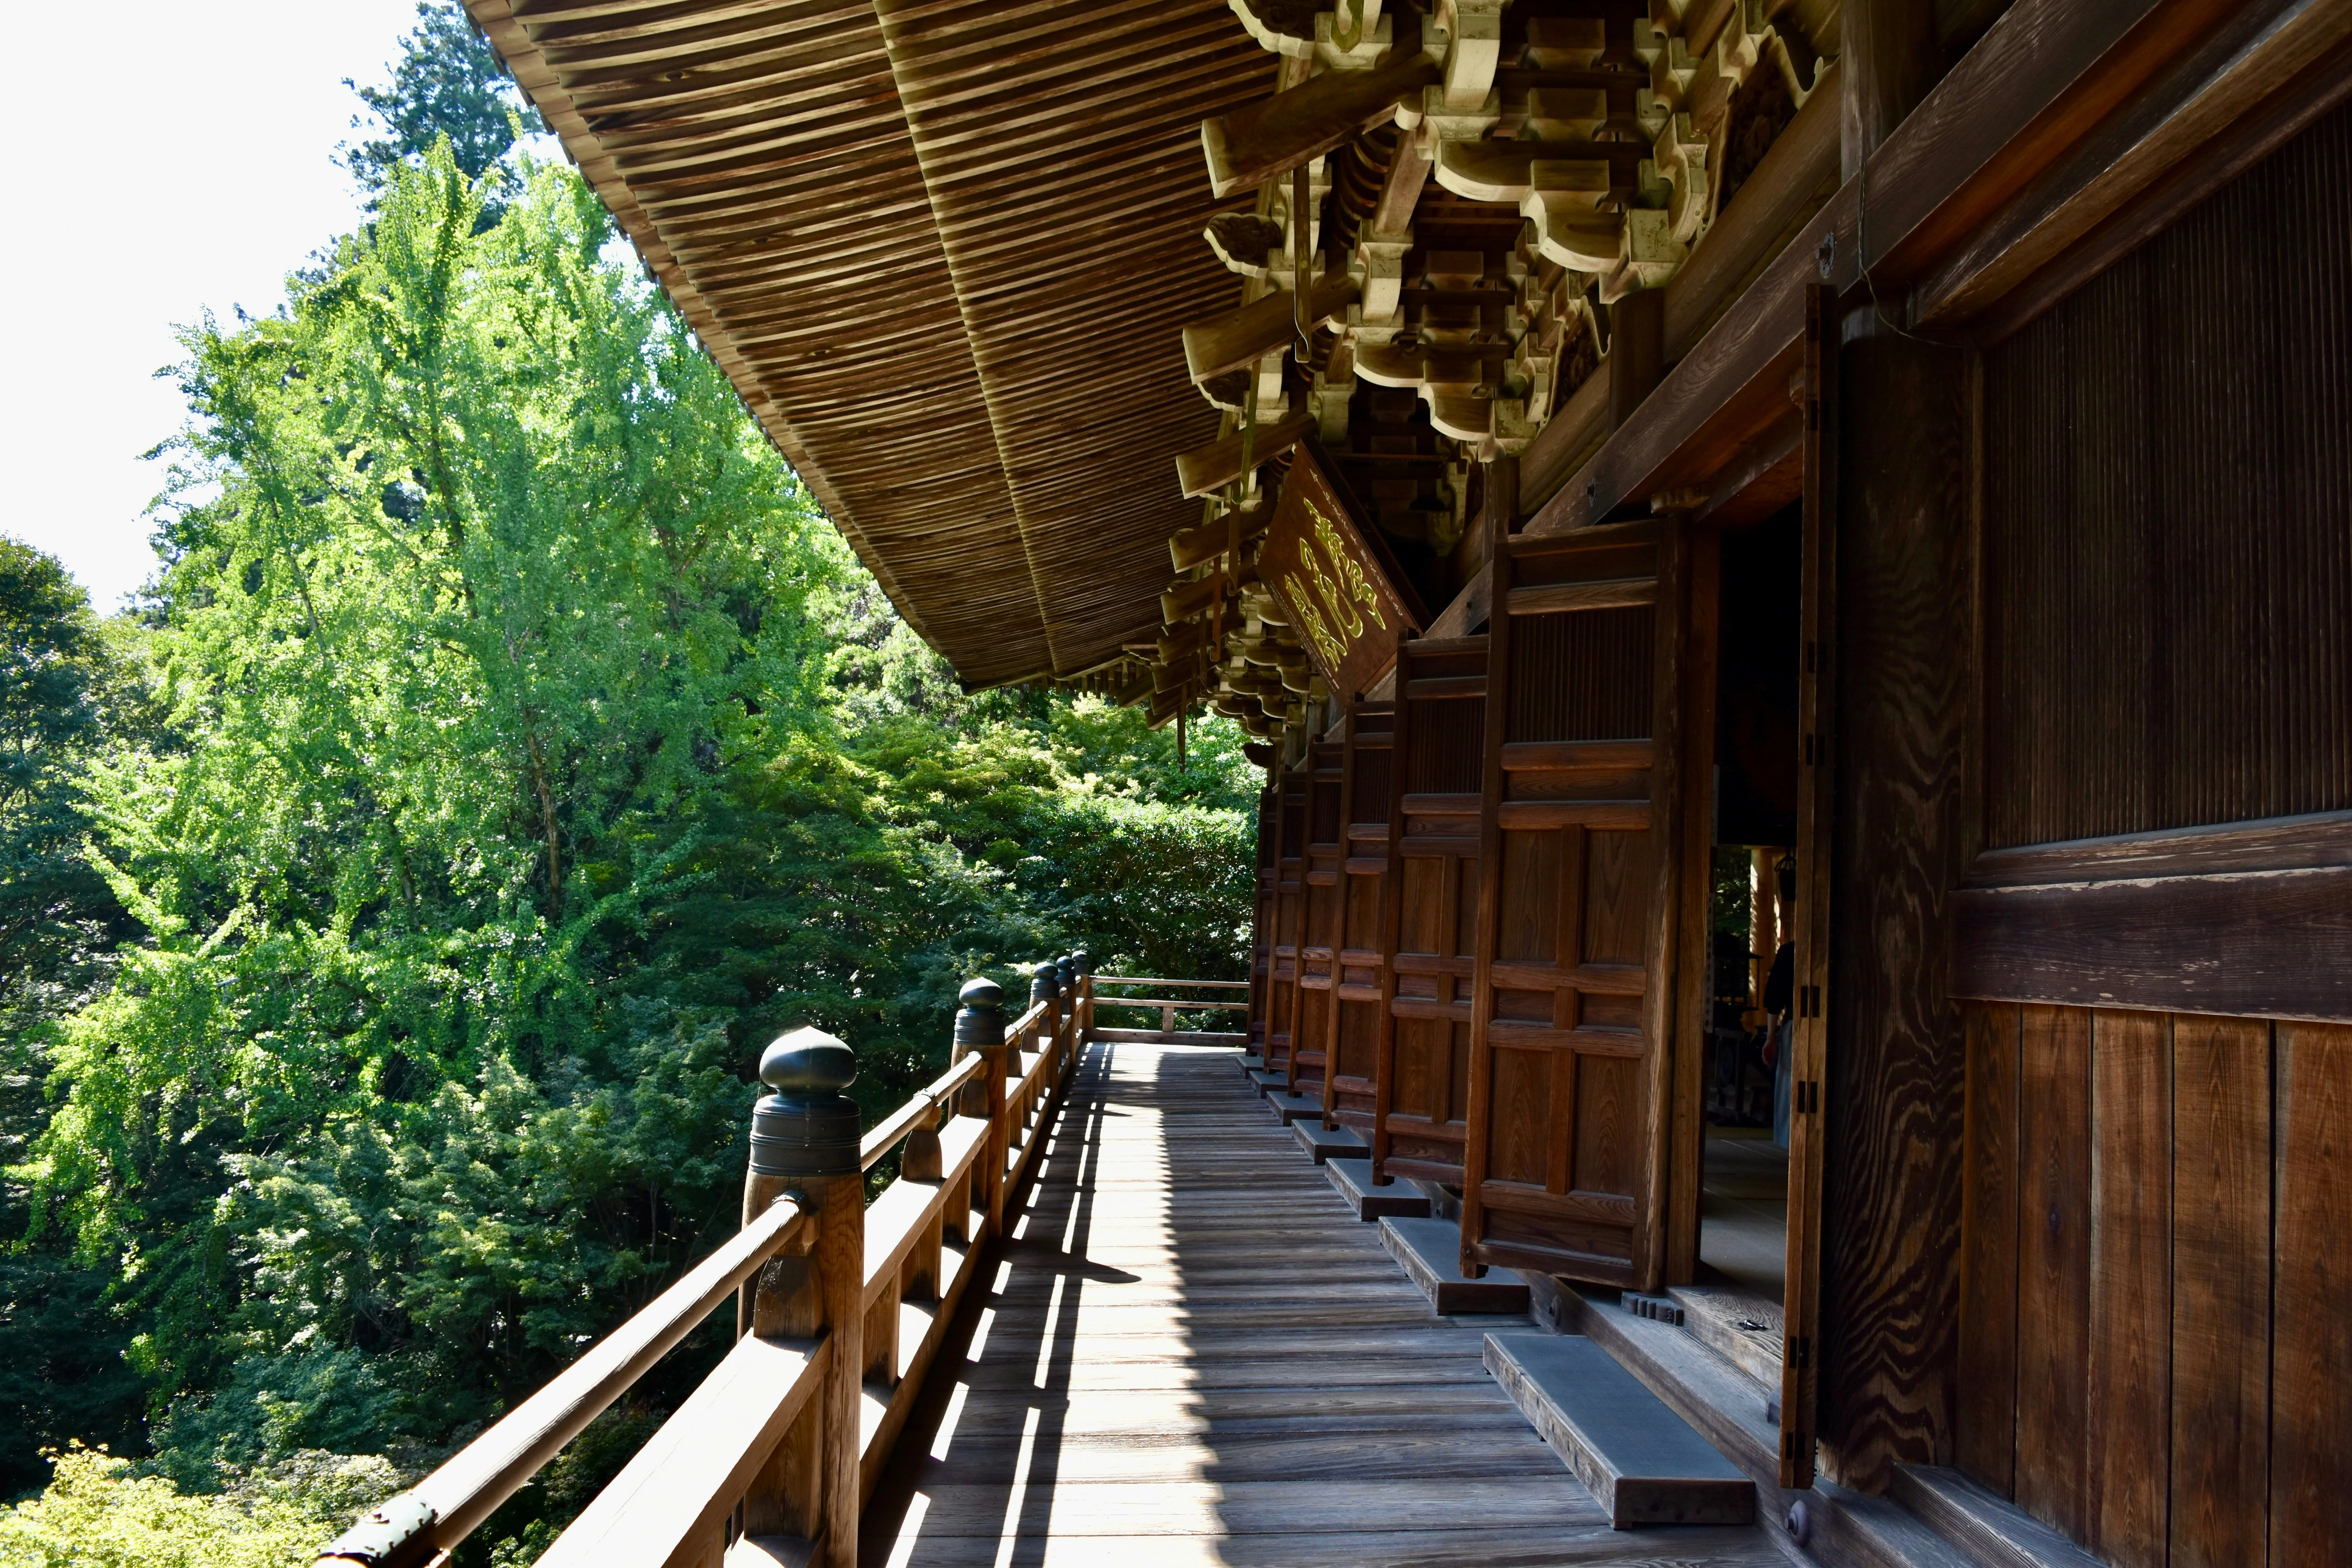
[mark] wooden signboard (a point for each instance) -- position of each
(1336, 579)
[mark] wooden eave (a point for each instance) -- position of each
(943, 252)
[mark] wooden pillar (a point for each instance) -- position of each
(1637, 351)
(804, 1141)
(1886, 63)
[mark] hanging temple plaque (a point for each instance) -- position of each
(1341, 588)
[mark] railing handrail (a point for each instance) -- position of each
(1159, 980)
(894, 1127)
(774, 1378)
(469, 1486)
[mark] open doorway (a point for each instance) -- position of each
(1743, 1196)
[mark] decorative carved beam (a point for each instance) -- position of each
(1253, 145)
(1209, 467)
(1249, 332)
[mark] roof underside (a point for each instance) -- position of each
(944, 251)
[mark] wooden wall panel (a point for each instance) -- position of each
(1421, 1087)
(1290, 917)
(2221, 1302)
(2149, 664)
(2156, 1354)
(2054, 1265)
(1323, 901)
(1984, 1438)
(2311, 1358)
(1359, 999)
(2128, 1410)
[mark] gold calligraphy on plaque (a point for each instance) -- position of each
(1340, 590)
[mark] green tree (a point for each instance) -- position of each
(537, 751)
(448, 82)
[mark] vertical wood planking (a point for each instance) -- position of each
(2126, 1466)
(2054, 1265)
(1985, 1415)
(2311, 1379)
(2144, 669)
(2221, 1297)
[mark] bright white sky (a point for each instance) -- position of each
(194, 171)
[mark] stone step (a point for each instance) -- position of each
(1431, 1251)
(1268, 1082)
(1398, 1200)
(1323, 1144)
(1635, 1456)
(1290, 1107)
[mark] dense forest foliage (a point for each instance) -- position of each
(396, 900)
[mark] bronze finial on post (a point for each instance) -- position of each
(980, 1026)
(805, 1142)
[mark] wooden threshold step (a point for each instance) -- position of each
(1398, 1200)
(1323, 1144)
(1992, 1530)
(1431, 1251)
(1635, 1456)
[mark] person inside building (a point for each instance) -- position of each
(1779, 1004)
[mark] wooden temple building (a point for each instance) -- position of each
(1662, 482)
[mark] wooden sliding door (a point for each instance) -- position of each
(1290, 911)
(1579, 853)
(1423, 1085)
(1319, 904)
(1359, 1001)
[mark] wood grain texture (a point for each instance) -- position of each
(2053, 1266)
(2311, 1338)
(1894, 1093)
(2221, 1305)
(2129, 1409)
(1984, 1415)
(2266, 943)
(1695, 901)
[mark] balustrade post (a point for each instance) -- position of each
(1086, 967)
(804, 1141)
(980, 1026)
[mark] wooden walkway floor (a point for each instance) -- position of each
(1193, 1354)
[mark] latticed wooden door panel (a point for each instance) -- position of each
(1424, 1094)
(1321, 900)
(1572, 982)
(1289, 915)
(1359, 1002)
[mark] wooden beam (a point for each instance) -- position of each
(1253, 145)
(1206, 542)
(2272, 68)
(2266, 943)
(1248, 332)
(1209, 467)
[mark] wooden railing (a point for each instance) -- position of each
(1168, 1005)
(842, 1306)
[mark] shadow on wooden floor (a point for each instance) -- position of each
(1190, 1353)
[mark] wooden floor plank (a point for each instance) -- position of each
(1194, 1354)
